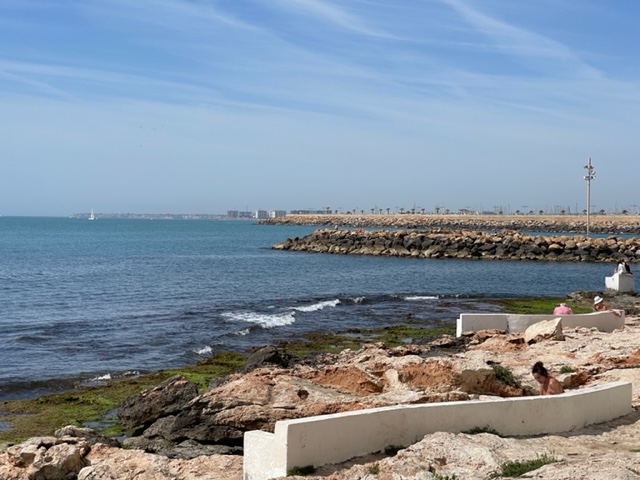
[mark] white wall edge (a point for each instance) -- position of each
(606, 321)
(335, 438)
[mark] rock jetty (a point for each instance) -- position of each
(465, 244)
(601, 224)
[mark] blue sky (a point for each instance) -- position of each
(201, 106)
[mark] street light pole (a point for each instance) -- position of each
(591, 174)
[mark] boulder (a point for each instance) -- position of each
(267, 356)
(168, 398)
(545, 330)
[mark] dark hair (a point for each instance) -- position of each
(538, 367)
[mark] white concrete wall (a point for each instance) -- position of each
(338, 437)
(606, 321)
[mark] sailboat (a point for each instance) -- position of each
(91, 216)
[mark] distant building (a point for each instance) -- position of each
(239, 214)
(261, 214)
(277, 213)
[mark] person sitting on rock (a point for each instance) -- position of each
(548, 384)
(562, 309)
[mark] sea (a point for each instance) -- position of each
(84, 301)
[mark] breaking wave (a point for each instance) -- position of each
(262, 319)
(318, 306)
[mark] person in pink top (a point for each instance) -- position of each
(562, 309)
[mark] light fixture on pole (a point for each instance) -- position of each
(591, 174)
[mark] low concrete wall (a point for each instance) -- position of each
(338, 437)
(620, 282)
(606, 321)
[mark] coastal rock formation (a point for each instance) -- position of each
(370, 377)
(374, 376)
(465, 244)
(168, 398)
(607, 224)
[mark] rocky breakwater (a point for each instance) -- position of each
(463, 244)
(603, 224)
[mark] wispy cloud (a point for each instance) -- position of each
(334, 15)
(534, 49)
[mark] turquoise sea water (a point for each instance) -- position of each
(88, 299)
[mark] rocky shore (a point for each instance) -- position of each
(177, 433)
(466, 244)
(601, 224)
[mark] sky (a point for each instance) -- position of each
(204, 106)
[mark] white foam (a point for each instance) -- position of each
(358, 299)
(102, 377)
(242, 333)
(318, 306)
(204, 351)
(418, 298)
(265, 321)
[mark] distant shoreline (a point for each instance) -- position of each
(159, 216)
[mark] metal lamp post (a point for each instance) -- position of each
(591, 174)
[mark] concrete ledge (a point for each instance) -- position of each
(606, 321)
(335, 438)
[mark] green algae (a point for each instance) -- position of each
(313, 343)
(93, 406)
(537, 306)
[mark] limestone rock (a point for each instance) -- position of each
(107, 463)
(47, 458)
(546, 330)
